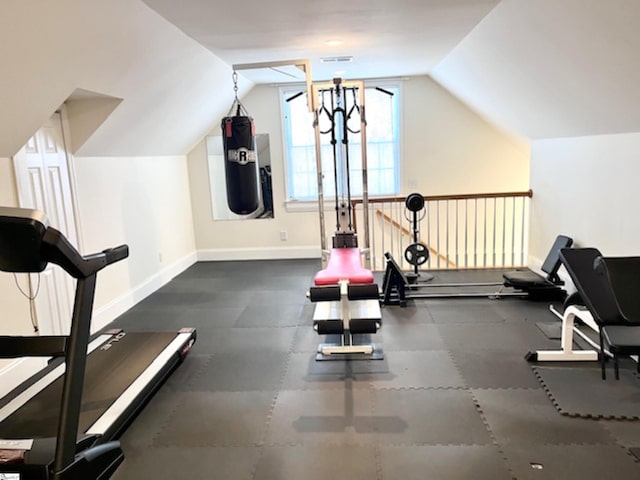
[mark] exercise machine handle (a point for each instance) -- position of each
(113, 255)
(56, 248)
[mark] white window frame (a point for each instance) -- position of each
(287, 91)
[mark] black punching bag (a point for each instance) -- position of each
(240, 164)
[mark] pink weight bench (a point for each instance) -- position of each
(347, 304)
(344, 264)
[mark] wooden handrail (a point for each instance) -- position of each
(377, 210)
(430, 198)
(463, 196)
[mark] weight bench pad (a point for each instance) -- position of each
(525, 278)
(624, 339)
(344, 264)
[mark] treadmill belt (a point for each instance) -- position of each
(109, 373)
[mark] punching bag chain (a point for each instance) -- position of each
(240, 110)
(234, 76)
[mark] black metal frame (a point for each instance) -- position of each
(609, 296)
(621, 333)
(27, 244)
(397, 287)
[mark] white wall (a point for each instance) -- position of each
(446, 149)
(143, 202)
(586, 188)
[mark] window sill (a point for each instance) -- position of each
(293, 206)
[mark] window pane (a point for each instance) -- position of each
(382, 146)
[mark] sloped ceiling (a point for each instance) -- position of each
(552, 68)
(172, 89)
(384, 37)
(541, 69)
(536, 68)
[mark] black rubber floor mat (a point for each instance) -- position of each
(552, 330)
(580, 392)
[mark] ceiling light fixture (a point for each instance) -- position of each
(333, 43)
(343, 59)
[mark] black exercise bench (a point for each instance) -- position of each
(535, 285)
(620, 334)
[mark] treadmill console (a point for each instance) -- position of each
(21, 234)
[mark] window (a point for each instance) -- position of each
(383, 139)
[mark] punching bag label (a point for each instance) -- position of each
(242, 156)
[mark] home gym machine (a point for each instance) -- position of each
(61, 424)
(346, 295)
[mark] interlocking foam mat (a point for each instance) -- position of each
(552, 330)
(580, 392)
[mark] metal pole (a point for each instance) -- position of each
(316, 126)
(365, 176)
(75, 361)
(524, 212)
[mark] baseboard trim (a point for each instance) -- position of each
(109, 312)
(270, 253)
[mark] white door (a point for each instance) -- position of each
(42, 174)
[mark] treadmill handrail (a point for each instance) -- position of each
(57, 249)
(43, 346)
(28, 243)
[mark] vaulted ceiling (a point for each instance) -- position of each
(540, 69)
(543, 68)
(383, 37)
(552, 68)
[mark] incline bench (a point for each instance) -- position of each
(609, 289)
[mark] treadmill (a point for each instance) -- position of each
(62, 423)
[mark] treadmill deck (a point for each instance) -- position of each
(111, 368)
